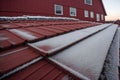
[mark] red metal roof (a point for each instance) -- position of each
(19, 60)
(15, 57)
(41, 70)
(9, 39)
(11, 33)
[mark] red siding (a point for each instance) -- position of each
(46, 8)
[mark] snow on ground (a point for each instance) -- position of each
(87, 57)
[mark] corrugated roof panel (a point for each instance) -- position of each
(42, 32)
(49, 28)
(57, 22)
(27, 34)
(51, 76)
(37, 36)
(24, 24)
(60, 28)
(5, 43)
(1, 27)
(62, 76)
(68, 28)
(41, 70)
(28, 71)
(31, 24)
(16, 58)
(7, 52)
(8, 25)
(25, 63)
(86, 59)
(57, 43)
(23, 34)
(9, 39)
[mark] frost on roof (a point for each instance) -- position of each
(36, 17)
(112, 61)
(56, 43)
(88, 56)
(23, 34)
(119, 34)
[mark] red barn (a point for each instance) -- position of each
(89, 10)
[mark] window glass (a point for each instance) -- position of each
(72, 11)
(58, 9)
(98, 17)
(92, 14)
(89, 2)
(102, 18)
(86, 13)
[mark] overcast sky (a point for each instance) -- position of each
(112, 8)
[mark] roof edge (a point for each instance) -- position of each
(25, 17)
(103, 7)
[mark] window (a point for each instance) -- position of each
(102, 18)
(72, 11)
(92, 14)
(89, 2)
(58, 9)
(97, 17)
(86, 13)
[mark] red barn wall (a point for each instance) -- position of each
(46, 8)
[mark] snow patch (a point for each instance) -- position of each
(60, 42)
(112, 61)
(36, 17)
(88, 56)
(23, 34)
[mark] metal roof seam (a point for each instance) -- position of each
(111, 63)
(64, 25)
(36, 69)
(12, 52)
(53, 30)
(58, 75)
(43, 71)
(80, 76)
(60, 60)
(29, 30)
(15, 35)
(20, 68)
(48, 73)
(45, 53)
(110, 45)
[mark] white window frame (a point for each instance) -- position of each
(102, 18)
(86, 13)
(91, 14)
(74, 11)
(55, 7)
(97, 17)
(88, 3)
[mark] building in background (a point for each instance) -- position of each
(88, 10)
